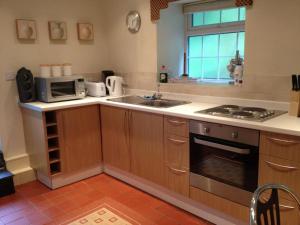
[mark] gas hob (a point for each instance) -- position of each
(243, 113)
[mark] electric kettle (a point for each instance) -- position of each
(114, 85)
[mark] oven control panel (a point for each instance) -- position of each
(226, 132)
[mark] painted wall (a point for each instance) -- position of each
(272, 51)
(170, 33)
(88, 57)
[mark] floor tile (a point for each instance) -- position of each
(35, 204)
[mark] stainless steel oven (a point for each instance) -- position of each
(224, 160)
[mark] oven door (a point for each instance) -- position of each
(225, 168)
(62, 89)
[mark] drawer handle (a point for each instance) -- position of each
(177, 123)
(176, 141)
(177, 171)
(281, 167)
(282, 141)
(282, 207)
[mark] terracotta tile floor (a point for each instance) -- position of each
(35, 204)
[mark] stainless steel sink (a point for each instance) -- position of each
(157, 103)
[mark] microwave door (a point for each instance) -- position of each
(62, 89)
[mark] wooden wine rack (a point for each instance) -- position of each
(54, 158)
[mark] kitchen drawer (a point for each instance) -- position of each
(176, 126)
(289, 212)
(177, 151)
(279, 171)
(177, 180)
(279, 145)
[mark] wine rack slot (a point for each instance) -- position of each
(53, 143)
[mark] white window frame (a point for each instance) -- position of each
(220, 28)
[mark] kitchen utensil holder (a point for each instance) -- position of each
(295, 104)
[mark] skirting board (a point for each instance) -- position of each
(184, 203)
(23, 176)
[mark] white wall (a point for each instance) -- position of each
(271, 54)
(89, 57)
(272, 51)
(171, 34)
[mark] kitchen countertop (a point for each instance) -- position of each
(284, 124)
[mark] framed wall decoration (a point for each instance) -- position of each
(85, 31)
(26, 29)
(57, 30)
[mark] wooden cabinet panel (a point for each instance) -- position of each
(176, 126)
(280, 171)
(115, 133)
(235, 210)
(279, 145)
(177, 163)
(81, 137)
(146, 145)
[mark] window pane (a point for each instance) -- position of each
(224, 73)
(198, 19)
(195, 46)
(210, 45)
(228, 44)
(195, 67)
(242, 13)
(212, 17)
(230, 15)
(241, 43)
(210, 68)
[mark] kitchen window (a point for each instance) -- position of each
(213, 35)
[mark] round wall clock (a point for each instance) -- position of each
(133, 21)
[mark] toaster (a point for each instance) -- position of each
(95, 89)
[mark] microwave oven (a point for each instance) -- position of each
(55, 89)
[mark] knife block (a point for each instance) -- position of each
(295, 104)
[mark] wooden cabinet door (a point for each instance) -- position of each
(81, 137)
(177, 163)
(115, 135)
(146, 146)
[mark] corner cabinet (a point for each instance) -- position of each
(115, 135)
(64, 146)
(133, 142)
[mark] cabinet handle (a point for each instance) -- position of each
(177, 171)
(176, 141)
(281, 167)
(176, 122)
(125, 125)
(282, 207)
(282, 141)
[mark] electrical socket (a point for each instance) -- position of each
(10, 76)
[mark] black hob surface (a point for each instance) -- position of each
(243, 113)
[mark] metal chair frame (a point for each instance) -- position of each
(262, 189)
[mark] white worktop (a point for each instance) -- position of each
(284, 124)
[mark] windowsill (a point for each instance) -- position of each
(201, 82)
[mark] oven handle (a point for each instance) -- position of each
(222, 147)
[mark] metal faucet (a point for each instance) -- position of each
(157, 95)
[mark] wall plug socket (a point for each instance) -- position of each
(10, 76)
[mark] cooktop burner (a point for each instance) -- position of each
(254, 109)
(218, 111)
(243, 113)
(230, 107)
